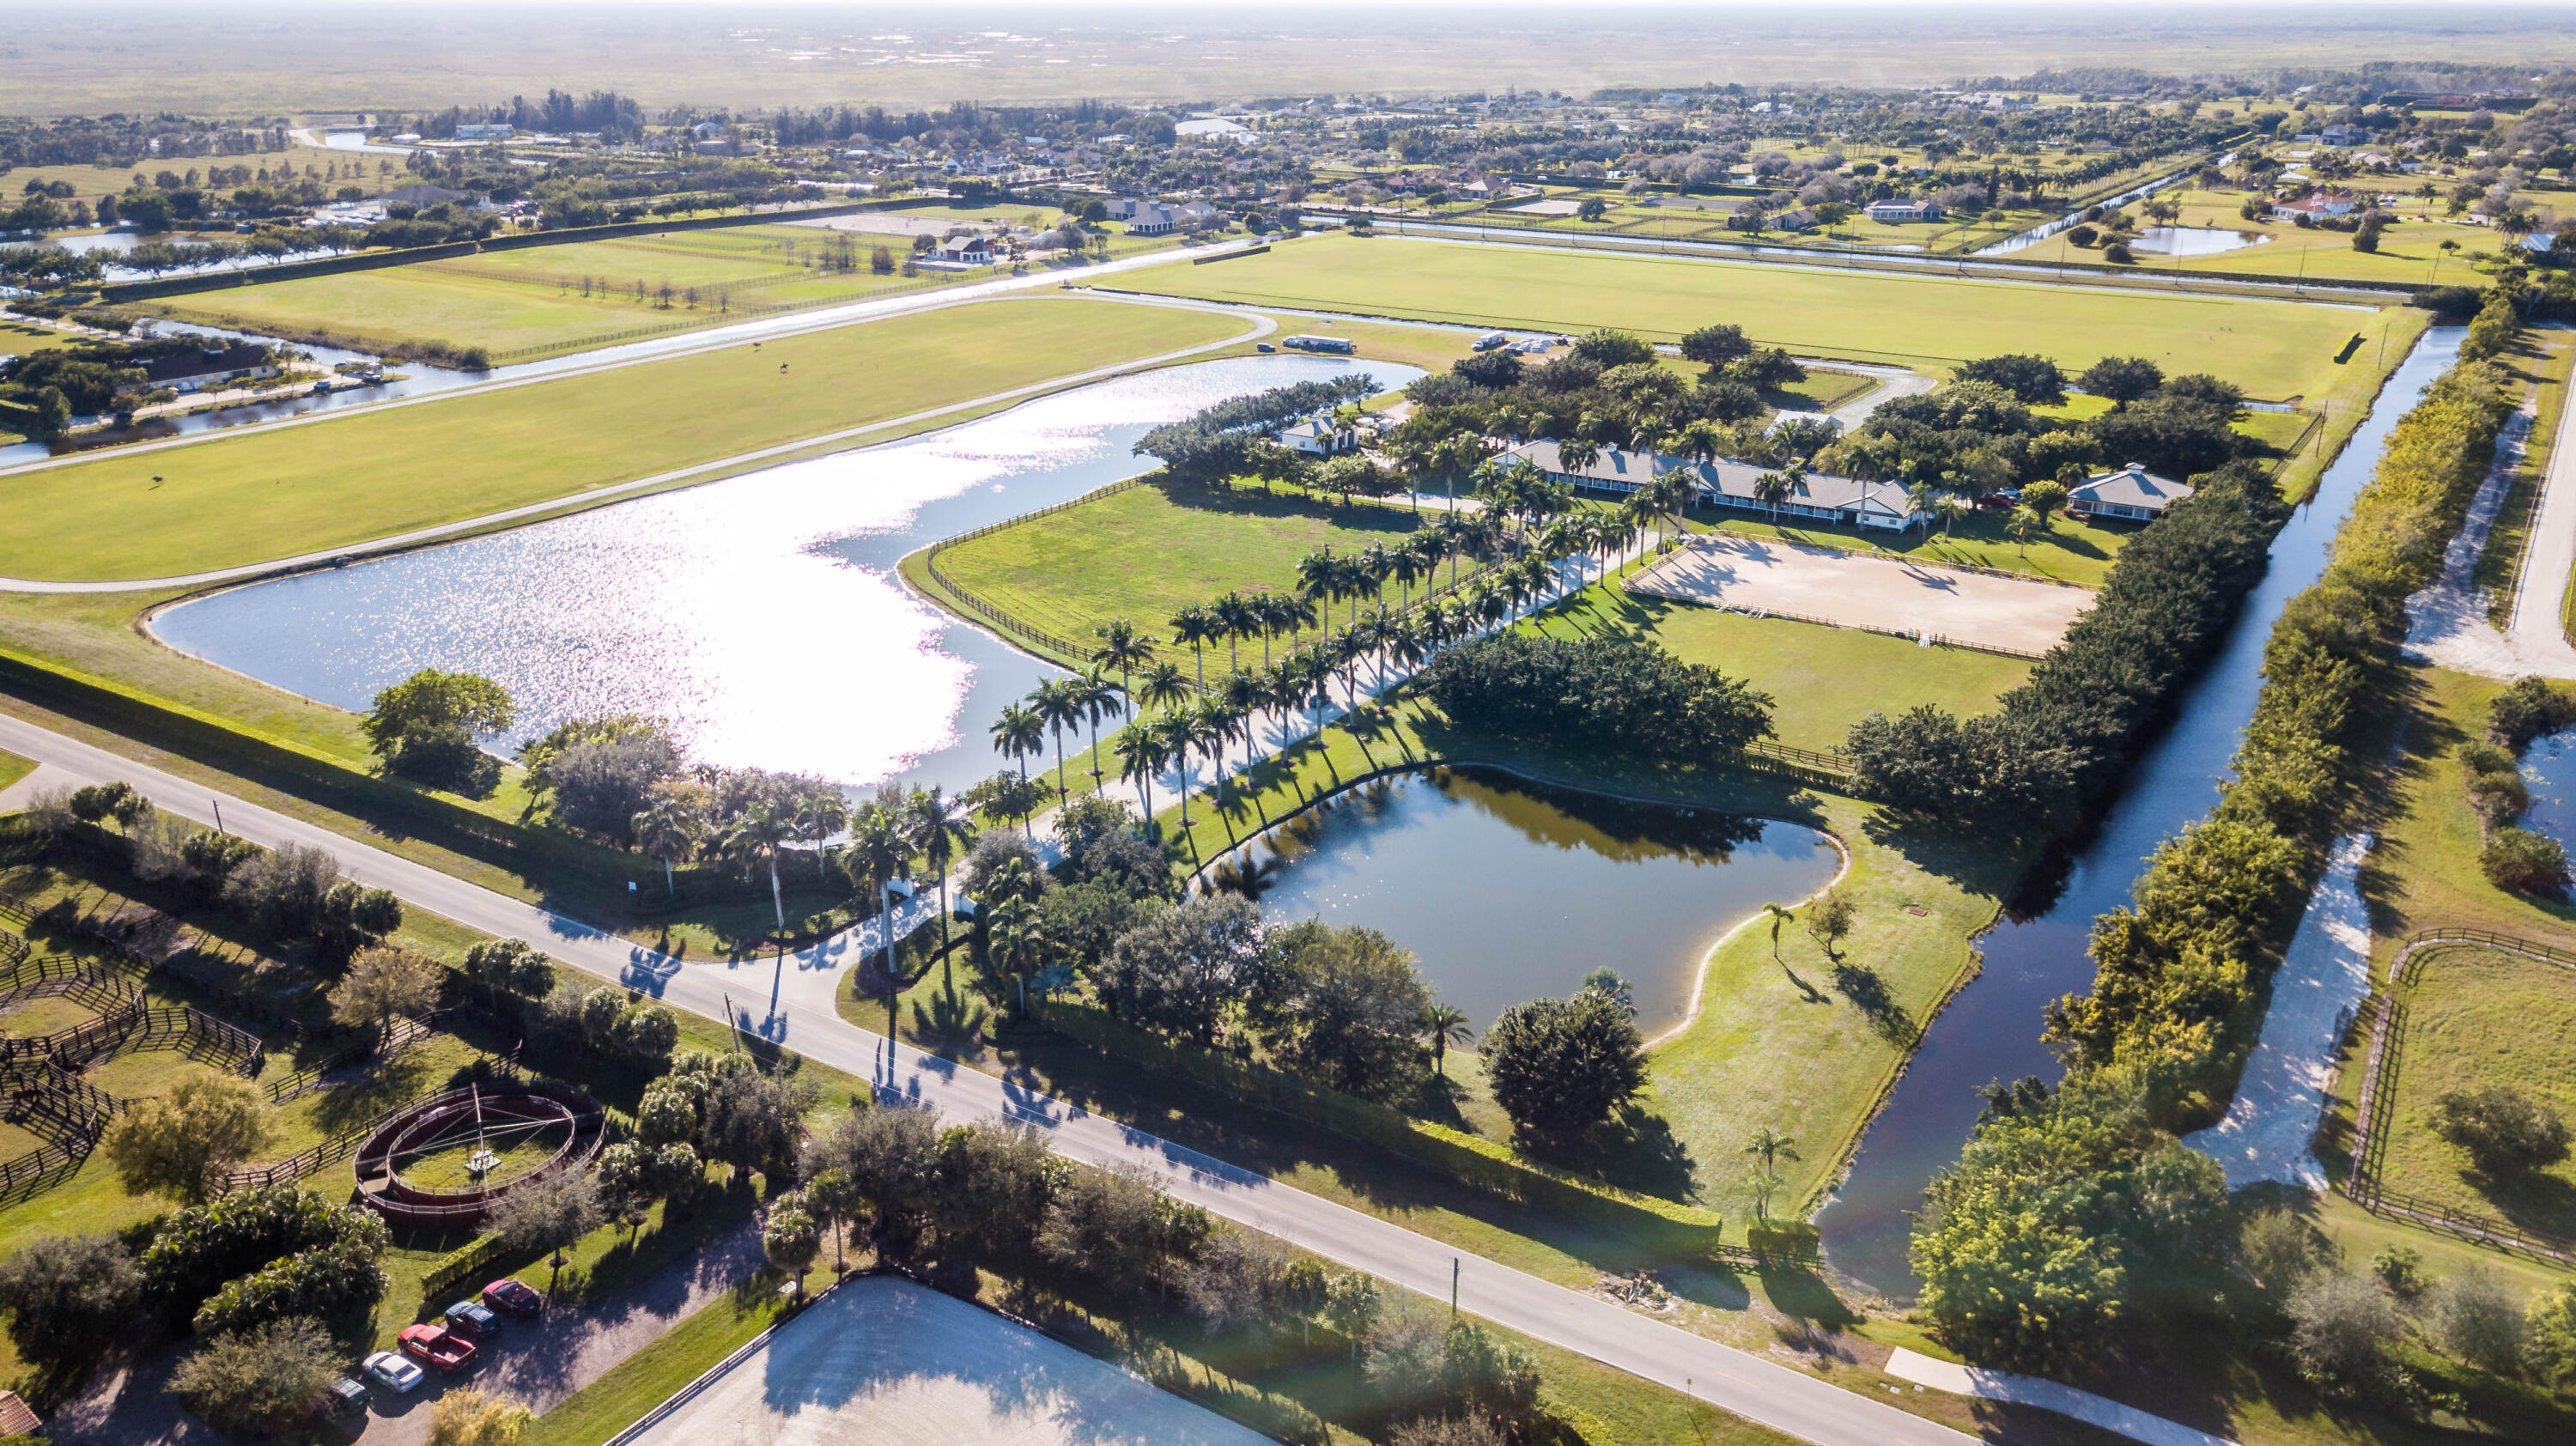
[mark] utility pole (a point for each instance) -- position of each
(1453, 1287)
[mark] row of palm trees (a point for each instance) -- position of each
(1194, 722)
(882, 839)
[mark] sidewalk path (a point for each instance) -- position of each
(2447, 622)
(798, 991)
(2084, 1406)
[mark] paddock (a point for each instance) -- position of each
(1764, 575)
(883, 1360)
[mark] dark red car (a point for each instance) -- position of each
(511, 1297)
(437, 1347)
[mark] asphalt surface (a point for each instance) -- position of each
(790, 1001)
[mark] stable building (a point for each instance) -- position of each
(1814, 496)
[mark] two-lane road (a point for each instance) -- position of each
(791, 1001)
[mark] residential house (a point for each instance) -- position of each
(1152, 220)
(967, 251)
(211, 369)
(2342, 136)
(1894, 211)
(1318, 437)
(1198, 215)
(2131, 492)
(2317, 206)
(1726, 483)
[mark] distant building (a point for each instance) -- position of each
(485, 132)
(1152, 220)
(2131, 492)
(967, 251)
(2320, 206)
(2341, 135)
(1897, 212)
(1335, 344)
(423, 196)
(1211, 129)
(211, 369)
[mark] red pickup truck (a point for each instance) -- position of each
(437, 1346)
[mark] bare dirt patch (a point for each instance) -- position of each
(1765, 575)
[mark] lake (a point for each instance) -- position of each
(761, 615)
(2195, 240)
(1507, 890)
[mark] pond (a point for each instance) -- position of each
(760, 615)
(2195, 240)
(1990, 1032)
(2549, 769)
(1508, 891)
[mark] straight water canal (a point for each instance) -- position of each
(760, 615)
(1990, 1032)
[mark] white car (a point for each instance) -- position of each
(392, 1371)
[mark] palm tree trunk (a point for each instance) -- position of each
(775, 902)
(1059, 761)
(669, 889)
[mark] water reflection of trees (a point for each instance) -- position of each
(1616, 828)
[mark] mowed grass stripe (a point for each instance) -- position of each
(2272, 349)
(371, 474)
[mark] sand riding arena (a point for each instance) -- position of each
(1955, 606)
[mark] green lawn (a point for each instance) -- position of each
(2272, 349)
(367, 474)
(1143, 552)
(13, 767)
(1821, 679)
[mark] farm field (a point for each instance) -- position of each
(336, 168)
(538, 300)
(2274, 350)
(1821, 679)
(278, 492)
(2407, 255)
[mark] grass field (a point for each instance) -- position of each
(278, 492)
(13, 767)
(334, 168)
(536, 300)
(1821, 679)
(2477, 1018)
(2272, 349)
(1144, 552)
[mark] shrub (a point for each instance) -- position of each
(2082, 235)
(325, 1282)
(2552, 1330)
(2528, 709)
(2340, 1329)
(2477, 1317)
(1560, 1067)
(68, 1296)
(2504, 1131)
(424, 728)
(2119, 253)
(258, 1381)
(2523, 862)
(470, 1418)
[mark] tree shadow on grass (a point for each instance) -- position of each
(1638, 1151)
(1868, 993)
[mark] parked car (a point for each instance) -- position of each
(514, 1297)
(348, 1396)
(391, 1371)
(472, 1318)
(438, 1346)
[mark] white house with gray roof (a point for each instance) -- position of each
(2132, 492)
(1815, 496)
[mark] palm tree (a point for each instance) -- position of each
(1193, 627)
(1310, 681)
(666, 831)
(1576, 453)
(1019, 732)
(2020, 524)
(878, 853)
(940, 827)
(1770, 1147)
(818, 817)
(1774, 488)
(1237, 617)
(1164, 686)
(1245, 697)
(1141, 754)
(1319, 577)
(1059, 702)
(1121, 648)
(1447, 1025)
(754, 838)
(1218, 722)
(1405, 566)
(1181, 737)
(1098, 698)
(1013, 939)
(1289, 611)
(1779, 916)
(1953, 507)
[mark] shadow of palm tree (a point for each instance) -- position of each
(1868, 993)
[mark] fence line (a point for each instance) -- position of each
(2375, 1106)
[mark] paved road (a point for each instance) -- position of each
(2447, 622)
(790, 1001)
(1256, 327)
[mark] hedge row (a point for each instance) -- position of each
(1656, 1224)
(2182, 972)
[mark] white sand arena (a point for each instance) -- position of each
(1764, 574)
(885, 1362)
